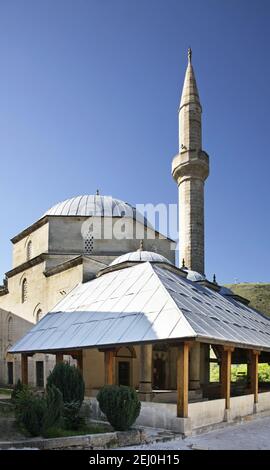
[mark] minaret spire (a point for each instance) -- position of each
(189, 55)
(190, 169)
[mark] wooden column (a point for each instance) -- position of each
(59, 357)
(182, 380)
(24, 369)
(226, 375)
(254, 382)
(109, 366)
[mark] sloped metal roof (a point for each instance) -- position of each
(144, 303)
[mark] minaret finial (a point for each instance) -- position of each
(97, 192)
(189, 55)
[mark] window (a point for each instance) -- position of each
(10, 328)
(39, 315)
(24, 290)
(29, 250)
(89, 243)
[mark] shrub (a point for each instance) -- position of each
(18, 388)
(72, 420)
(54, 407)
(121, 406)
(30, 411)
(68, 379)
(36, 414)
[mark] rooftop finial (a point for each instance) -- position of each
(141, 246)
(183, 263)
(214, 279)
(189, 55)
(97, 192)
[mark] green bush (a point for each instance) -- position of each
(18, 388)
(68, 379)
(120, 404)
(36, 414)
(30, 412)
(54, 408)
(72, 420)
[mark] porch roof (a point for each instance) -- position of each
(141, 304)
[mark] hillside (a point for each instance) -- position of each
(258, 294)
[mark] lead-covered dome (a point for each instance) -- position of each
(194, 275)
(140, 256)
(95, 205)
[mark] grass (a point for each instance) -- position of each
(87, 429)
(257, 293)
(5, 391)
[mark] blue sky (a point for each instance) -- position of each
(89, 91)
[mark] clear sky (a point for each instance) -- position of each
(89, 91)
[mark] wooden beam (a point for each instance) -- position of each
(59, 357)
(226, 375)
(109, 366)
(24, 369)
(254, 381)
(182, 380)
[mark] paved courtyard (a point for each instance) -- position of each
(248, 435)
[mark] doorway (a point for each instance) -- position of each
(10, 373)
(124, 373)
(40, 373)
(159, 374)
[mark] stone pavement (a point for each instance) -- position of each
(247, 435)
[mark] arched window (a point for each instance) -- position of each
(29, 250)
(39, 315)
(10, 328)
(24, 290)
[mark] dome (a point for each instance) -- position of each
(95, 205)
(140, 256)
(194, 275)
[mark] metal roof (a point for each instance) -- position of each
(140, 256)
(144, 303)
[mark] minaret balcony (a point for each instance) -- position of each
(190, 164)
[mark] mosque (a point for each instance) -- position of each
(120, 309)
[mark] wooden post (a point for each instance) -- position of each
(59, 357)
(182, 380)
(24, 369)
(109, 367)
(254, 362)
(226, 375)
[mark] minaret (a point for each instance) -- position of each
(190, 169)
